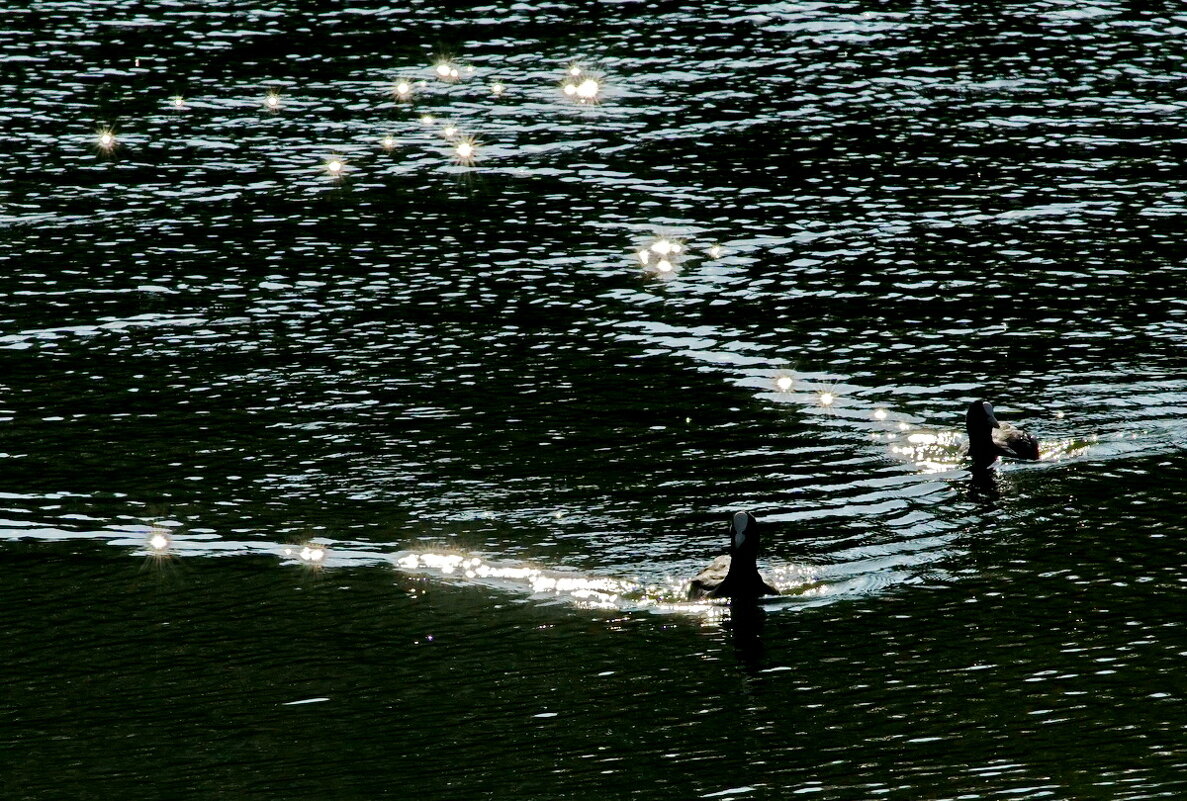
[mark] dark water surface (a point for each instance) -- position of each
(388, 483)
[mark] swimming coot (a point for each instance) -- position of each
(989, 438)
(735, 575)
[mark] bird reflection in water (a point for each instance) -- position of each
(745, 624)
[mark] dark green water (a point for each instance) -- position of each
(388, 483)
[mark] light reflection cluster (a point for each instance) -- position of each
(931, 450)
(662, 256)
(309, 554)
(590, 591)
(450, 71)
(587, 591)
(580, 83)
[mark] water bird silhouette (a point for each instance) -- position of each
(990, 438)
(734, 575)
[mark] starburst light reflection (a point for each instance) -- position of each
(784, 383)
(880, 414)
(105, 140)
(272, 101)
(159, 543)
(335, 167)
(498, 88)
(388, 143)
(465, 151)
(402, 90)
(178, 102)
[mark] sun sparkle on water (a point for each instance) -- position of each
(335, 166)
(105, 140)
(580, 84)
(661, 256)
(588, 89)
(447, 70)
(465, 151)
(311, 554)
(402, 90)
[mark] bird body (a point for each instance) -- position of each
(989, 438)
(734, 575)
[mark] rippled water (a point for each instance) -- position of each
(336, 485)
